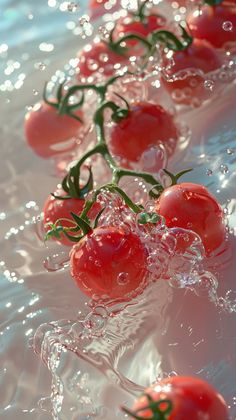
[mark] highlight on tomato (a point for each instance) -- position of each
(48, 132)
(215, 23)
(192, 206)
(146, 125)
(109, 263)
(180, 398)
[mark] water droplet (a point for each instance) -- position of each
(209, 84)
(224, 169)
(209, 172)
(230, 151)
(227, 26)
(40, 66)
(123, 279)
(72, 7)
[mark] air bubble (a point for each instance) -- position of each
(209, 84)
(123, 279)
(228, 26)
(72, 7)
(57, 262)
(230, 151)
(209, 172)
(35, 92)
(224, 169)
(40, 66)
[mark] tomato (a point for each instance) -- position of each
(98, 57)
(129, 24)
(200, 57)
(55, 209)
(109, 263)
(146, 125)
(191, 398)
(46, 130)
(216, 24)
(192, 206)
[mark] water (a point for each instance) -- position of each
(90, 360)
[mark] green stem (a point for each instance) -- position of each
(171, 41)
(213, 2)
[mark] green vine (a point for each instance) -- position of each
(156, 408)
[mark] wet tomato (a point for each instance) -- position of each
(109, 263)
(49, 133)
(191, 398)
(55, 209)
(185, 77)
(192, 206)
(129, 24)
(97, 56)
(145, 126)
(215, 24)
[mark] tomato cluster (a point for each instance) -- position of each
(109, 262)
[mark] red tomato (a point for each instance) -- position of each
(198, 56)
(216, 24)
(129, 25)
(98, 57)
(109, 263)
(59, 209)
(146, 125)
(192, 398)
(45, 129)
(191, 206)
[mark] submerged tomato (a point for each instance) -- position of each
(191, 397)
(146, 125)
(46, 130)
(109, 263)
(192, 206)
(98, 57)
(55, 209)
(199, 58)
(216, 24)
(96, 7)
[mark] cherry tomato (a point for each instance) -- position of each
(192, 206)
(191, 398)
(46, 130)
(200, 59)
(146, 125)
(129, 24)
(98, 57)
(55, 209)
(109, 263)
(215, 24)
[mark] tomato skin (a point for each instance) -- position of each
(146, 125)
(191, 206)
(200, 56)
(102, 256)
(55, 209)
(45, 128)
(129, 24)
(192, 398)
(96, 8)
(98, 57)
(208, 24)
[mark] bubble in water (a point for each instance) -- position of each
(72, 7)
(224, 169)
(209, 84)
(230, 151)
(35, 92)
(227, 26)
(123, 279)
(40, 66)
(206, 285)
(209, 172)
